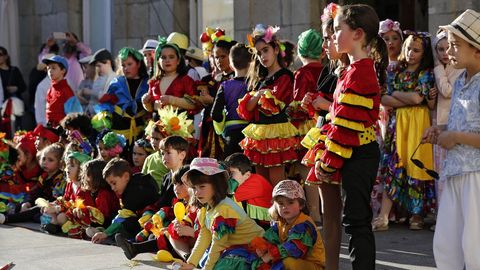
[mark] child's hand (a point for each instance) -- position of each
(78, 213)
(447, 139)
(433, 93)
(320, 173)
(99, 237)
(430, 135)
(266, 258)
(259, 93)
(185, 266)
(165, 100)
(260, 252)
(184, 230)
(146, 98)
(205, 98)
(320, 103)
(51, 209)
(307, 99)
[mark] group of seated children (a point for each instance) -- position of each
(226, 216)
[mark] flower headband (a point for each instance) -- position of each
(424, 36)
(267, 34)
(329, 12)
(389, 25)
(126, 51)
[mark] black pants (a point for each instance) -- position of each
(232, 142)
(32, 214)
(358, 176)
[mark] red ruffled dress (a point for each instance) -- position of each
(181, 86)
(305, 81)
(270, 138)
(352, 119)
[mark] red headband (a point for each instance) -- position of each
(41, 131)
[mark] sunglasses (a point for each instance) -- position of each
(420, 164)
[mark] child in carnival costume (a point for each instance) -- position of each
(172, 122)
(11, 194)
(270, 138)
(111, 145)
(122, 102)
(210, 143)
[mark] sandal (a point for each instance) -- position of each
(416, 223)
(380, 224)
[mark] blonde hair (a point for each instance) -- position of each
(57, 149)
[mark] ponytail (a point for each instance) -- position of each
(379, 54)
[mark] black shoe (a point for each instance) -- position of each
(49, 228)
(126, 246)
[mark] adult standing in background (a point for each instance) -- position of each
(148, 52)
(13, 86)
(72, 50)
(12, 79)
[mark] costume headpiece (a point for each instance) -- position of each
(114, 143)
(310, 44)
(163, 43)
(389, 25)
(46, 133)
(81, 157)
(126, 51)
(424, 36)
(173, 123)
(212, 36)
(267, 34)
(329, 12)
(76, 138)
(441, 34)
(26, 142)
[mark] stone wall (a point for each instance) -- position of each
(293, 17)
(134, 21)
(38, 19)
(442, 12)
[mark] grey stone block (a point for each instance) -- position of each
(43, 7)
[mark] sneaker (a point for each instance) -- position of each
(126, 246)
(2, 218)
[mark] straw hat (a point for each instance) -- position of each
(466, 26)
(195, 53)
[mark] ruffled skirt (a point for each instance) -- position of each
(270, 145)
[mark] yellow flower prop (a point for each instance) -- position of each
(174, 123)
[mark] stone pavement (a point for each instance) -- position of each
(397, 249)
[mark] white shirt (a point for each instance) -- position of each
(41, 101)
